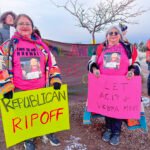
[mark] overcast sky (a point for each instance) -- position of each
(58, 25)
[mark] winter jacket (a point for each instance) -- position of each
(131, 53)
(20, 54)
(4, 33)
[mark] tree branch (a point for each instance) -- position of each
(103, 14)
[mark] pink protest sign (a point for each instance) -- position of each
(114, 96)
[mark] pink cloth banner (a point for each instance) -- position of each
(114, 96)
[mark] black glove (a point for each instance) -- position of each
(8, 95)
(57, 85)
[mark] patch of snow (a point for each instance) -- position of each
(73, 144)
(146, 101)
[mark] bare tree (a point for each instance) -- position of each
(106, 12)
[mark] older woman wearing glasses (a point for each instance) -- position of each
(114, 57)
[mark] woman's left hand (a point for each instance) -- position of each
(130, 74)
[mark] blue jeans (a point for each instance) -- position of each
(113, 124)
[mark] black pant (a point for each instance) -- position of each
(113, 124)
(148, 85)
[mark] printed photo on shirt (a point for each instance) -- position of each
(112, 60)
(30, 68)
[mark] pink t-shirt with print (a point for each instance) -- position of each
(28, 66)
(113, 61)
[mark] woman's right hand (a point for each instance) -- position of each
(96, 72)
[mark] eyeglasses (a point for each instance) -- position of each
(113, 33)
(24, 24)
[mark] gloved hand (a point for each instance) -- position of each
(8, 95)
(57, 85)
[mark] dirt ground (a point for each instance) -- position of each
(88, 137)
